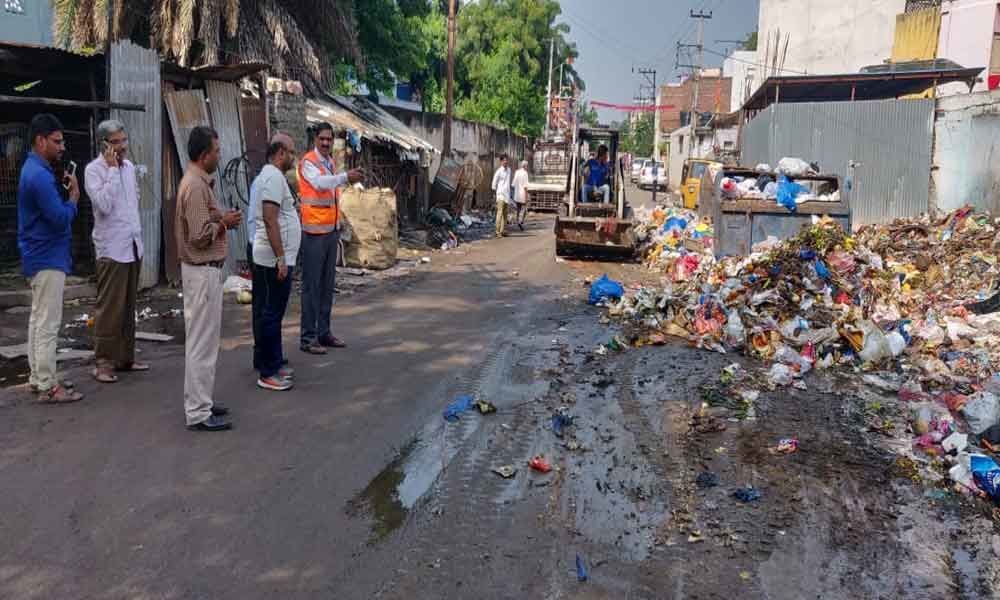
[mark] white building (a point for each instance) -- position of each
(708, 143)
(970, 36)
(825, 36)
(741, 67)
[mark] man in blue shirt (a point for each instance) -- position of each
(44, 232)
(597, 176)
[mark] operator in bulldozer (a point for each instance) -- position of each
(597, 177)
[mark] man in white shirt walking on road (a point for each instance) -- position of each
(502, 188)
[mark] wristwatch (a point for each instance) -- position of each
(281, 261)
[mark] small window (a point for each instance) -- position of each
(14, 6)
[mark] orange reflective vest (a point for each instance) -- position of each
(319, 209)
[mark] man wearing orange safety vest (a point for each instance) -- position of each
(318, 196)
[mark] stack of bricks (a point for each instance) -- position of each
(286, 109)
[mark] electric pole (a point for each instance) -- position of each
(450, 88)
(548, 94)
(650, 75)
(702, 17)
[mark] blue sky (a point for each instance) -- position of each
(614, 36)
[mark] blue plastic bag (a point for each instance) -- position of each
(986, 473)
(581, 569)
(456, 408)
(822, 270)
(788, 191)
(749, 494)
(605, 288)
(675, 223)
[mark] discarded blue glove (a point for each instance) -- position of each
(458, 407)
(605, 288)
(747, 494)
(581, 569)
(559, 423)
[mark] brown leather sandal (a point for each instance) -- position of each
(59, 395)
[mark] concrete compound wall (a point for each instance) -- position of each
(829, 37)
(966, 156)
(740, 67)
(469, 138)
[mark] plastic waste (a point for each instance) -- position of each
(787, 445)
(793, 167)
(736, 335)
(674, 224)
(462, 404)
(604, 289)
(559, 424)
(539, 464)
(780, 375)
(581, 569)
(982, 411)
(763, 168)
(484, 407)
(956, 442)
(747, 494)
(986, 473)
(875, 347)
(506, 471)
(788, 191)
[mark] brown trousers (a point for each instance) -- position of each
(114, 315)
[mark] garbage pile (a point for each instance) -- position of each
(675, 241)
(824, 298)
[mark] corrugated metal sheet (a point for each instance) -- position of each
(224, 106)
(369, 120)
(135, 78)
(889, 140)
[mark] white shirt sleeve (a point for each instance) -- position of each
(103, 185)
(496, 179)
(319, 181)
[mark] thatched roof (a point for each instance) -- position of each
(295, 37)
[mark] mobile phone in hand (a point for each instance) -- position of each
(69, 172)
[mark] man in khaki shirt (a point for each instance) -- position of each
(201, 245)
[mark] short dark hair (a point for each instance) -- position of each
(323, 126)
(200, 141)
(602, 149)
(504, 157)
(43, 124)
(273, 149)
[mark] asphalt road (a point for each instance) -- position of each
(352, 485)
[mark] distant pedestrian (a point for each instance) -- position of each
(521, 181)
(597, 174)
(502, 190)
(114, 193)
(319, 197)
(275, 246)
(44, 232)
(202, 246)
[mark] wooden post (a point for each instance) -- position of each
(450, 91)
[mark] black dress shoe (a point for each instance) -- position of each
(312, 349)
(212, 423)
(219, 410)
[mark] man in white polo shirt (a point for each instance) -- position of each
(277, 236)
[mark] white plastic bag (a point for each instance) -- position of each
(793, 167)
(876, 346)
(982, 411)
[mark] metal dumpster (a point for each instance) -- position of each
(742, 222)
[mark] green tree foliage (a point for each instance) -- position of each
(588, 115)
(638, 138)
(751, 42)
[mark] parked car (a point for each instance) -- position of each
(648, 181)
(637, 166)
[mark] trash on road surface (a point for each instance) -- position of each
(462, 404)
(747, 494)
(539, 464)
(605, 289)
(581, 569)
(559, 424)
(484, 407)
(506, 471)
(707, 479)
(787, 446)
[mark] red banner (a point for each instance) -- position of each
(632, 107)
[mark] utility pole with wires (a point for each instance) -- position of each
(650, 76)
(450, 89)
(700, 46)
(548, 94)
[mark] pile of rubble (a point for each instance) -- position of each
(893, 300)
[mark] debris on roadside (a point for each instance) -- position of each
(787, 446)
(747, 494)
(539, 464)
(484, 407)
(560, 422)
(605, 289)
(707, 479)
(505, 471)
(581, 570)
(455, 409)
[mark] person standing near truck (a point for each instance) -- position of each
(521, 193)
